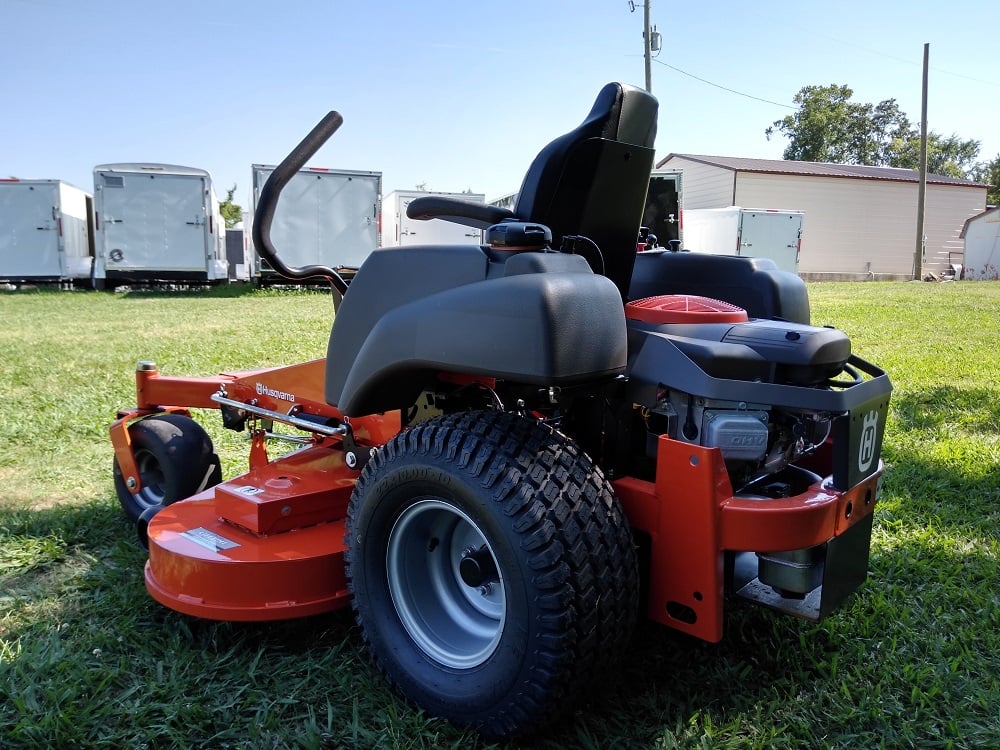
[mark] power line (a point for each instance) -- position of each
(904, 60)
(724, 88)
(968, 78)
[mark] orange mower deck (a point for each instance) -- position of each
(265, 546)
(268, 544)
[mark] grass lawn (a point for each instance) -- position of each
(87, 659)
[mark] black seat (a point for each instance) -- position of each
(590, 182)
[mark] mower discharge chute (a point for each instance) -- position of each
(512, 449)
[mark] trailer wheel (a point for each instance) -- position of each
(492, 570)
(175, 458)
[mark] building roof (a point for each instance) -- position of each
(817, 169)
(988, 212)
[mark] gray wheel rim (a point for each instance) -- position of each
(151, 475)
(456, 624)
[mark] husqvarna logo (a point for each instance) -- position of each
(263, 390)
(866, 449)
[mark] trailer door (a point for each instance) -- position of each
(772, 234)
(153, 222)
(662, 215)
(325, 217)
(29, 240)
(433, 231)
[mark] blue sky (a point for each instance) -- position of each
(454, 95)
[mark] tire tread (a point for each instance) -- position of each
(577, 542)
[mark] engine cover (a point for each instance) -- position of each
(740, 436)
(725, 344)
(805, 355)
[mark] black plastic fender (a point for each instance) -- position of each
(547, 320)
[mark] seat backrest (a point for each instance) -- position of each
(592, 181)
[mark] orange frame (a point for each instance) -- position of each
(692, 519)
(283, 521)
(275, 389)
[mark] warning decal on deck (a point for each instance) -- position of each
(209, 539)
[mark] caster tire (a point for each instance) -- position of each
(175, 458)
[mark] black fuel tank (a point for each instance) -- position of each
(767, 350)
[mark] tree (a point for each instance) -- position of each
(887, 126)
(948, 156)
(988, 172)
(829, 127)
(231, 212)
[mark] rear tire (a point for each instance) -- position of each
(175, 458)
(492, 570)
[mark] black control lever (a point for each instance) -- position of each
(268, 203)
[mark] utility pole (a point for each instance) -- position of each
(918, 253)
(647, 43)
(650, 41)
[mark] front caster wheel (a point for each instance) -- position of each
(175, 458)
(492, 570)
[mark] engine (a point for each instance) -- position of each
(723, 380)
(757, 441)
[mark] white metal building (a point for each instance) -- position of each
(981, 234)
(860, 222)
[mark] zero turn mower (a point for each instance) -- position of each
(512, 450)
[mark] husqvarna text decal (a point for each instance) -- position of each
(263, 390)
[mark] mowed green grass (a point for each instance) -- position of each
(88, 660)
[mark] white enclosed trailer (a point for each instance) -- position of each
(157, 223)
(238, 254)
(46, 232)
(753, 232)
(399, 229)
(326, 217)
